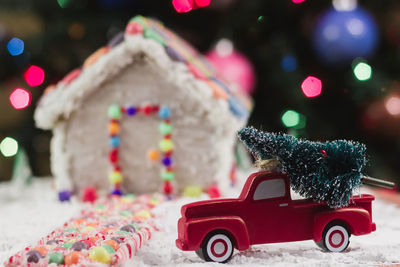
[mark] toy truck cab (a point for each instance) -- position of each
(265, 213)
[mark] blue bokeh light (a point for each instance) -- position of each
(341, 36)
(15, 46)
(289, 63)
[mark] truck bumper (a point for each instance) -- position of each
(181, 245)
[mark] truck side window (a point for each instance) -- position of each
(270, 189)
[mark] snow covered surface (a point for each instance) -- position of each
(27, 215)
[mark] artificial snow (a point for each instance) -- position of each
(28, 215)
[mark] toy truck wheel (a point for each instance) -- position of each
(218, 247)
(336, 238)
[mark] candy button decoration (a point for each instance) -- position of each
(113, 128)
(100, 254)
(130, 111)
(114, 141)
(114, 112)
(166, 145)
(165, 128)
(167, 175)
(167, 161)
(164, 113)
(153, 155)
(115, 177)
(57, 258)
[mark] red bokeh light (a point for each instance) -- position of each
(182, 6)
(311, 86)
(202, 3)
(34, 75)
(20, 98)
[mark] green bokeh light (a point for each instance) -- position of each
(63, 3)
(362, 71)
(9, 147)
(290, 118)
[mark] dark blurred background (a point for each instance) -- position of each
(350, 49)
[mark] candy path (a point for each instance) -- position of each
(26, 220)
(109, 231)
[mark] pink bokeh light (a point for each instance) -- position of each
(34, 76)
(311, 86)
(298, 1)
(183, 6)
(20, 98)
(202, 3)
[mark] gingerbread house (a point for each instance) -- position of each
(144, 113)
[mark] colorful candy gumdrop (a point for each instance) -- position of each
(100, 254)
(33, 256)
(112, 243)
(89, 194)
(79, 245)
(56, 257)
(73, 258)
(213, 191)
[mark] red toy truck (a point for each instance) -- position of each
(265, 213)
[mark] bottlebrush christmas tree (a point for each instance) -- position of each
(322, 171)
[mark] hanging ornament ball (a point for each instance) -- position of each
(340, 35)
(153, 155)
(232, 66)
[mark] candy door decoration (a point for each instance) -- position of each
(115, 114)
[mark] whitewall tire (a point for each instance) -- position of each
(336, 238)
(218, 248)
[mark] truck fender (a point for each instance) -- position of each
(234, 226)
(357, 221)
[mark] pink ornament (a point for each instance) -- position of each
(232, 66)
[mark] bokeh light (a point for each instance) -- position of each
(311, 86)
(63, 3)
(392, 105)
(9, 147)
(20, 98)
(203, 3)
(298, 1)
(362, 71)
(344, 5)
(15, 46)
(182, 6)
(34, 75)
(289, 63)
(290, 118)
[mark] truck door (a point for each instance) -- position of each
(268, 210)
